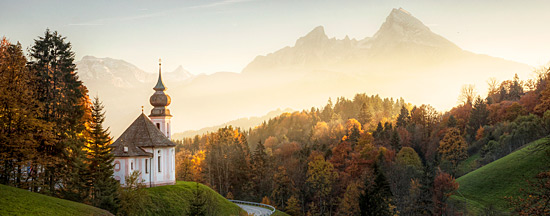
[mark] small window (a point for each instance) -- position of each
(125, 148)
(158, 126)
(132, 166)
(117, 166)
(146, 166)
(159, 164)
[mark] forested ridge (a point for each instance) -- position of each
(370, 155)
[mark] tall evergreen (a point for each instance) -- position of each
(365, 115)
(404, 118)
(259, 169)
(377, 197)
(479, 116)
(100, 161)
(65, 104)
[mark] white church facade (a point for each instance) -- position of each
(145, 146)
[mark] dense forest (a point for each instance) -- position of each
(368, 155)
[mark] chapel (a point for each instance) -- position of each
(145, 146)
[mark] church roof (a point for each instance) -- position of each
(141, 133)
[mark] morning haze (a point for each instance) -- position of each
(362, 46)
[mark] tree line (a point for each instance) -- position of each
(368, 155)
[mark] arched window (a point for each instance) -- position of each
(132, 166)
(158, 126)
(159, 161)
(146, 165)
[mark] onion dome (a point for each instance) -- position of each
(160, 99)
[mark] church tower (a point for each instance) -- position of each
(160, 114)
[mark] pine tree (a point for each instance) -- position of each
(65, 104)
(395, 141)
(197, 206)
(259, 167)
(100, 161)
(479, 116)
(404, 118)
(376, 197)
(365, 115)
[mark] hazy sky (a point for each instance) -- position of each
(225, 35)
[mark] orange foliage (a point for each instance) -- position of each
(479, 133)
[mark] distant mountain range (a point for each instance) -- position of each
(404, 58)
(243, 123)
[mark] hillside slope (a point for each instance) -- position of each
(175, 200)
(15, 201)
(487, 186)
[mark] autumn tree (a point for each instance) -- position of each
(21, 128)
(453, 148)
(184, 165)
(320, 177)
(349, 204)
(535, 199)
(544, 104)
(99, 161)
(293, 207)
(283, 187)
(444, 186)
(467, 94)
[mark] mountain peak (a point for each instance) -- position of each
(314, 37)
(402, 27)
(403, 18)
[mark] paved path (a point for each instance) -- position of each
(257, 211)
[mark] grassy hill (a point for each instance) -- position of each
(15, 201)
(175, 200)
(486, 187)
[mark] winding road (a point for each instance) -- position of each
(256, 210)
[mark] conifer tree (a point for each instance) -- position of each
(376, 197)
(65, 104)
(100, 161)
(479, 116)
(395, 141)
(197, 206)
(259, 167)
(365, 115)
(404, 118)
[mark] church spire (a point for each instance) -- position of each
(160, 100)
(160, 84)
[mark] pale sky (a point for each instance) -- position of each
(225, 35)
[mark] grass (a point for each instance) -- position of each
(279, 213)
(15, 201)
(175, 200)
(487, 186)
(468, 165)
